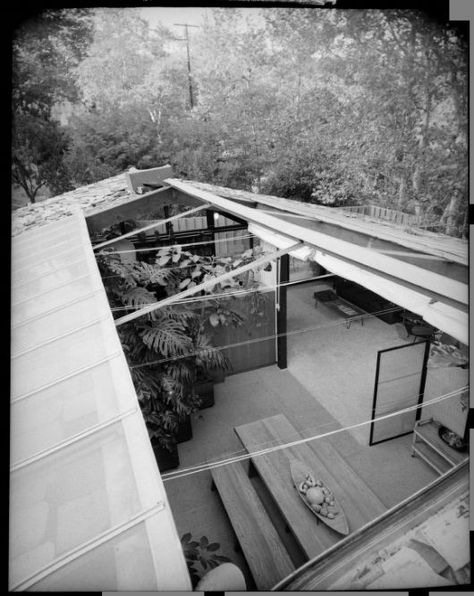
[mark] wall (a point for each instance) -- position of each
(249, 354)
(449, 412)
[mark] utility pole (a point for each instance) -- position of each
(186, 26)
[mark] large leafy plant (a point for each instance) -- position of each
(166, 349)
(169, 349)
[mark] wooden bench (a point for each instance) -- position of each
(267, 558)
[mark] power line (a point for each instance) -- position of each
(158, 248)
(261, 289)
(260, 339)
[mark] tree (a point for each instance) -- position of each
(132, 92)
(37, 157)
(394, 123)
(46, 49)
(121, 55)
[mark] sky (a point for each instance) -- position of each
(169, 15)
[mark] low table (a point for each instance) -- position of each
(360, 504)
(342, 307)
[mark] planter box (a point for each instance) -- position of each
(185, 430)
(205, 390)
(166, 460)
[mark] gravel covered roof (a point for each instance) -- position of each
(115, 190)
(108, 192)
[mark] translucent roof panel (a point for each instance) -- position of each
(33, 306)
(68, 318)
(44, 264)
(45, 282)
(71, 496)
(69, 408)
(81, 349)
(88, 509)
(126, 555)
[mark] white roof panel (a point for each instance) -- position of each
(88, 510)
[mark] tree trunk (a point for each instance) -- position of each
(450, 212)
(402, 193)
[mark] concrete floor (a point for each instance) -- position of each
(322, 390)
(387, 468)
(335, 364)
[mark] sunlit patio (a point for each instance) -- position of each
(328, 385)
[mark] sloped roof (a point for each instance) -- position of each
(84, 483)
(108, 192)
(414, 238)
(115, 190)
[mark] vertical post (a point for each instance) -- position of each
(211, 226)
(283, 276)
(191, 98)
(190, 82)
(169, 225)
(424, 370)
(374, 400)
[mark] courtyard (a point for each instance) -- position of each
(327, 387)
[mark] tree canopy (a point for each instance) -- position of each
(338, 107)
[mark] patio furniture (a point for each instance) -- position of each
(339, 305)
(410, 320)
(428, 445)
(423, 331)
(263, 549)
(360, 504)
(368, 301)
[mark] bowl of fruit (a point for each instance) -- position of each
(318, 497)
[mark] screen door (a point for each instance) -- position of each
(399, 383)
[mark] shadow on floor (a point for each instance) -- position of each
(387, 468)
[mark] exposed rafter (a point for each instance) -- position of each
(368, 257)
(151, 226)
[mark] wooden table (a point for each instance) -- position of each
(360, 504)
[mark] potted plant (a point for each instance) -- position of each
(166, 350)
(201, 555)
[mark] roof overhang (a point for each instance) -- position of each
(441, 299)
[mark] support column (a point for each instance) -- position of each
(281, 319)
(210, 226)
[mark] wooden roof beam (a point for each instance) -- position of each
(422, 278)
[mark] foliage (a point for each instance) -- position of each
(202, 552)
(169, 349)
(46, 50)
(107, 142)
(37, 155)
(334, 107)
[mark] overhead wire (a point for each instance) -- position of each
(265, 451)
(216, 296)
(216, 231)
(332, 324)
(319, 427)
